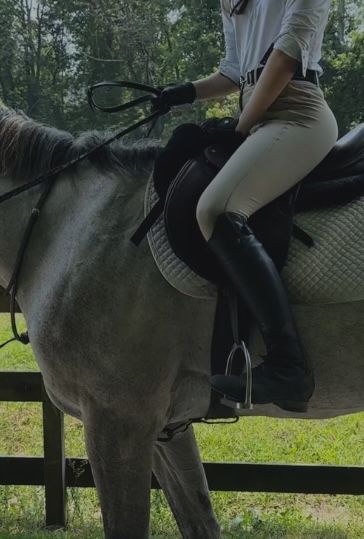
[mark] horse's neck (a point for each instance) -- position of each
(78, 210)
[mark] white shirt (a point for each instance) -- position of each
(296, 27)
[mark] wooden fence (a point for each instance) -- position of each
(56, 472)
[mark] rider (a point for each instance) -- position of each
(287, 128)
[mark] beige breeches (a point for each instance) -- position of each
(291, 138)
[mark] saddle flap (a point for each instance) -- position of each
(272, 224)
(180, 219)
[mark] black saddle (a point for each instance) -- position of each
(338, 179)
(182, 227)
(345, 159)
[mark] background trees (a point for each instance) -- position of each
(51, 50)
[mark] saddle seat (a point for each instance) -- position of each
(345, 159)
(330, 208)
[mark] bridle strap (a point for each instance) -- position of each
(121, 84)
(26, 236)
(21, 189)
(49, 179)
(62, 168)
(12, 287)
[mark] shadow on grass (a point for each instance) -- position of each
(283, 522)
(263, 531)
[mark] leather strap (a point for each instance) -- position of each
(147, 223)
(12, 287)
(48, 181)
(253, 76)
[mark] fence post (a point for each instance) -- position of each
(54, 464)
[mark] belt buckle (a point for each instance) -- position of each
(251, 77)
(255, 75)
(242, 82)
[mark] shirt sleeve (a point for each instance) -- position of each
(229, 66)
(302, 20)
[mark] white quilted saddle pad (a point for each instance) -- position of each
(330, 272)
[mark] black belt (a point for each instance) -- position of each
(253, 75)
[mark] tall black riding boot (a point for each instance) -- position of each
(284, 377)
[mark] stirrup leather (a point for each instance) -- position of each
(238, 344)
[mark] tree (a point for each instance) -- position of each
(343, 64)
(52, 50)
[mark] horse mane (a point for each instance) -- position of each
(29, 149)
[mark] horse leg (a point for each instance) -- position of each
(177, 466)
(120, 454)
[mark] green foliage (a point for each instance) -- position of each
(51, 50)
(343, 63)
(344, 83)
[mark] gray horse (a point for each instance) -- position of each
(118, 347)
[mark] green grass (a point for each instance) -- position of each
(247, 516)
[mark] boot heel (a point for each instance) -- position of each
(293, 406)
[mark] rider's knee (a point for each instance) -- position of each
(206, 215)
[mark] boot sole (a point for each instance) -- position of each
(284, 404)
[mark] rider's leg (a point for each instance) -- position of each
(274, 157)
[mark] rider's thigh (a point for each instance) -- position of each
(277, 154)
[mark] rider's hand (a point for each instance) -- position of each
(178, 94)
(223, 131)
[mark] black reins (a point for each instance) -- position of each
(49, 178)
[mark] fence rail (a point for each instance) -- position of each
(56, 472)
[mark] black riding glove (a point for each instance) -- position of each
(222, 131)
(178, 94)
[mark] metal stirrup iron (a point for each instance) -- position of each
(239, 344)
